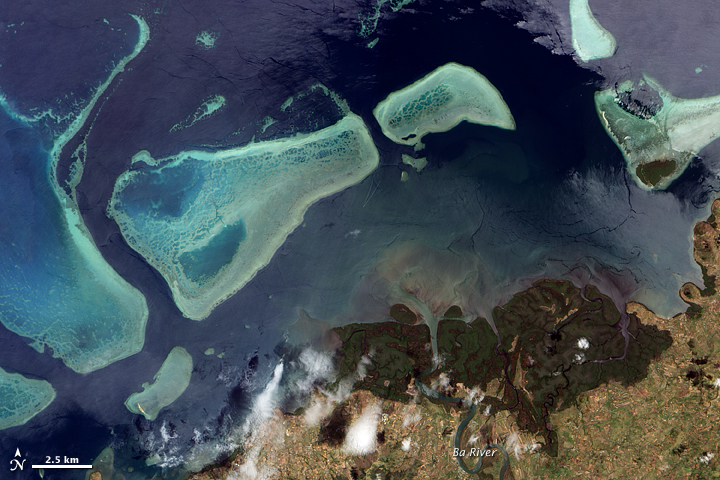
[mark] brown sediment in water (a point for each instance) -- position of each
(663, 419)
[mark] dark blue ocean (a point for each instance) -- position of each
(549, 199)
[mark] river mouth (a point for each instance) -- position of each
(550, 199)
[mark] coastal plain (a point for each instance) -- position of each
(655, 409)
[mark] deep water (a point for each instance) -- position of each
(546, 199)
(551, 198)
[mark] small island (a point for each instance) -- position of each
(438, 102)
(169, 383)
(590, 40)
(657, 138)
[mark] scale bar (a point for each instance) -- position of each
(62, 466)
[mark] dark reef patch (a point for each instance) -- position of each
(652, 173)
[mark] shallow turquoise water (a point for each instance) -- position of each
(52, 293)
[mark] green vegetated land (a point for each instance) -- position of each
(654, 410)
(553, 343)
(399, 353)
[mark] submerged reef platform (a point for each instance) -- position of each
(208, 221)
(22, 398)
(658, 138)
(58, 289)
(590, 40)
(438, 102)
(169, 383)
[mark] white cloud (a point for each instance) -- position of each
(476, 395)
(318, 366)
(258, 427)
(165, 433)
(322, 405)
(265, 403)
(251, 432)
(406, 444)
(361, 437)
(411, 416)
(705, 457)
(442, 383)
(361, 371)
(514, 445)
(318, 409)
(583, 343)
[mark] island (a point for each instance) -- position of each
(168, 384)
(658, 138)
(590, 40)
(438, 102)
